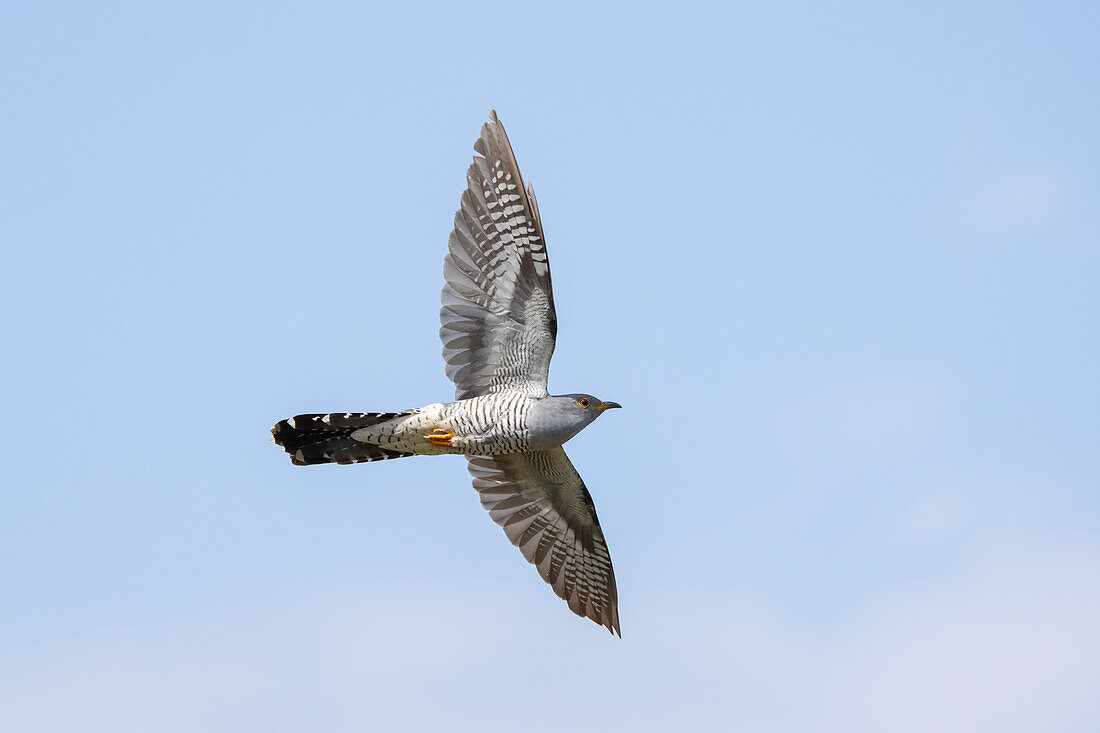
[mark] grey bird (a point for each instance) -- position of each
(498, 331)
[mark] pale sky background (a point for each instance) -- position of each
(840, 264)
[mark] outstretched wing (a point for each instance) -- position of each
(546, 511)
(498, 322)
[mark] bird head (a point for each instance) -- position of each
(558, 418)
(585, 406)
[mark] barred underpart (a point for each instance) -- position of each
(499, 420)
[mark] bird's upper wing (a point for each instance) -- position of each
(546, 511)
(498, 322)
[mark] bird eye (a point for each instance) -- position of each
(583, 402)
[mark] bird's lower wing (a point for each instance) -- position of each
(546, 511)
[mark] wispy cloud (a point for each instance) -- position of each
(1009, 643)
(861, 416)
(1024, 199)
(934, 513)
(1005, 646)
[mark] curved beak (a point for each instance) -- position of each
(608, 405)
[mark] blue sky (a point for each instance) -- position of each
(839, 263)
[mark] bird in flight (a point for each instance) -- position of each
(498, 331)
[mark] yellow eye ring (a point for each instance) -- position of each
(583, 402)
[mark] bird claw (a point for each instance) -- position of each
(440, 437)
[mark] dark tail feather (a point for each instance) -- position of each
(311, 439)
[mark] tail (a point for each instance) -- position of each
(311, 439)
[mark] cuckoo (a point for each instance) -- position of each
(498, 331)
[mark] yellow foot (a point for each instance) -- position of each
(440, 437)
